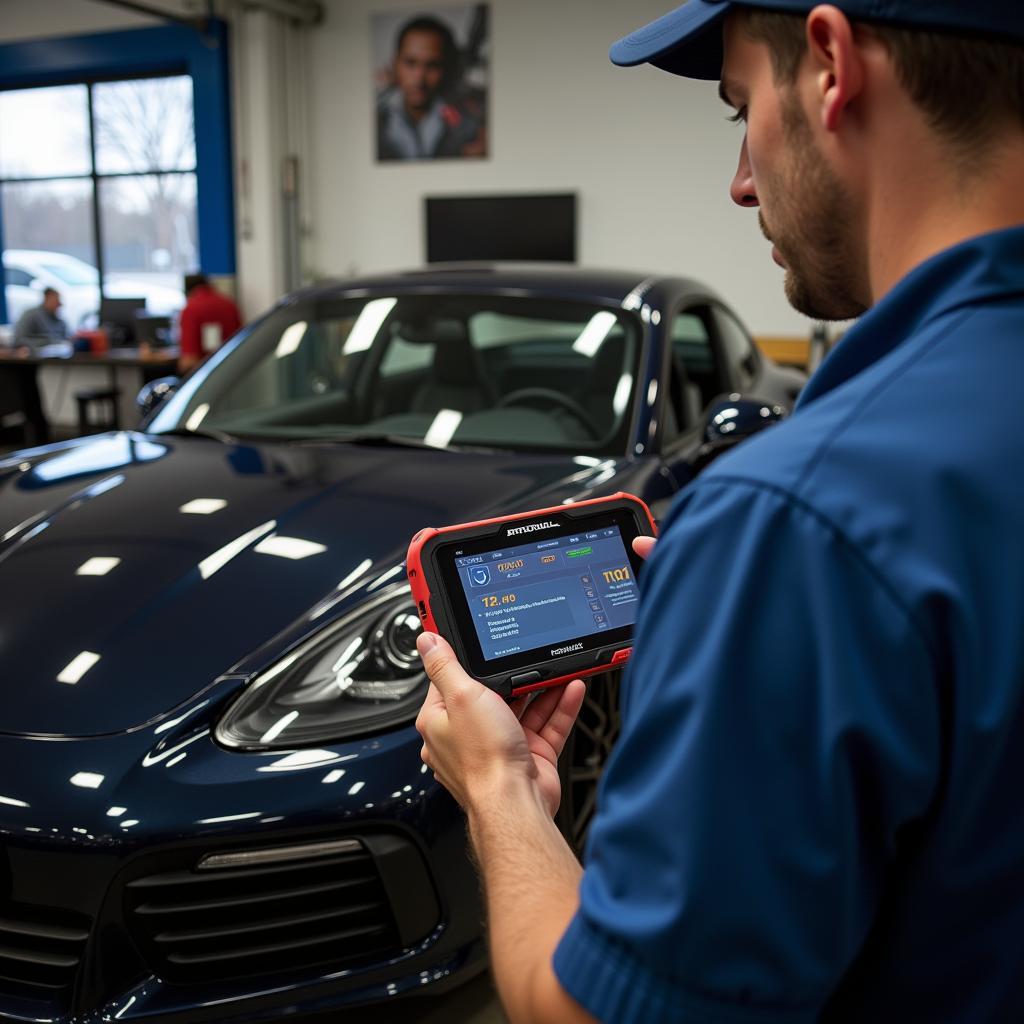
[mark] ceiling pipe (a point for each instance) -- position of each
(303, 12)
(199, 23)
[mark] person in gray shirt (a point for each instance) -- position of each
(41, 325)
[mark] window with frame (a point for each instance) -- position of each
(98, 194)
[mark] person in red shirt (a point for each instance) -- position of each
(207, 314)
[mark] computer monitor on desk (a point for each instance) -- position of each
(119, 318)
(153, 330)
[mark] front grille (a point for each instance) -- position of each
(194, 924)
(40, 950)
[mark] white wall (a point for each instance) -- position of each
(650, 154)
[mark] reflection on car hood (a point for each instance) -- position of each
(135, 570)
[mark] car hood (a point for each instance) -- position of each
(135, 569)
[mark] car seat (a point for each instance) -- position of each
(602, 382)
(686, 401)
(456, 378)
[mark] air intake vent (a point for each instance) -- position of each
(40, 950)
(262, 911)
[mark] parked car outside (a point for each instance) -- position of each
(212, 804)
(27, 272)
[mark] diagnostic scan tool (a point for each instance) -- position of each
(535, 599)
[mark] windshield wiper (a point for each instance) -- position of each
(389, 441)
(371, 440)
(210, 433)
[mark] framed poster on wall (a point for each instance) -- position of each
(431, 82)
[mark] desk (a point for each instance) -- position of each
(19, 387)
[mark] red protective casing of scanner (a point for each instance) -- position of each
(420, 575)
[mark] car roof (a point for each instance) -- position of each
(599, 285)
(42, 255)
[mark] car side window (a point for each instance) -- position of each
(14, 276)
(738, 350)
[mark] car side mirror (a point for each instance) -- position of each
(730, 419)
(155, 393)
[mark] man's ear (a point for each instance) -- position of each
(837, 61)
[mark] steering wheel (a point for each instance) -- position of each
(533, 396)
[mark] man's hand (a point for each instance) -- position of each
(476, 743)
(499, 761)
(643, 546)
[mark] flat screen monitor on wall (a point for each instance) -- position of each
(524, 227)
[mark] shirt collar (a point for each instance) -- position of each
(419, 139)
(982, 269)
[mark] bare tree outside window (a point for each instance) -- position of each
(44, 133)
(149, 219)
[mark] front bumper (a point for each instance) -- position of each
(110, 907)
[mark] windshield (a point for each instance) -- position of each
(73, 273)
(447, 371)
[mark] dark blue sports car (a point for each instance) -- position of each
(212, 806)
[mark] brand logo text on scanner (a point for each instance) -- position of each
(567, 650)
(532, 528)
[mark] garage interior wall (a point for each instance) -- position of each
(649, 155)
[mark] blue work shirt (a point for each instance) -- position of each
(816, 807)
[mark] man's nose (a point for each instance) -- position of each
(742, 189)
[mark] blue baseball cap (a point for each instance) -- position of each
(688, 40)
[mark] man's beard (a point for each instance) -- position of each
(812, 214)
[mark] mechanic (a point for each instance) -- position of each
(813, 809)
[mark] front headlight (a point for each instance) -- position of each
(360, 676)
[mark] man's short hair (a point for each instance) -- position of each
(969, 88)
(48, 291)
(449, 48)
(194, 281)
